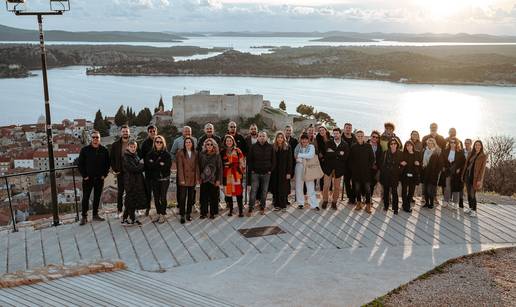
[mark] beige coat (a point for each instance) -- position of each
(480, 169)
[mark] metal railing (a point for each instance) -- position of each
(5, 179)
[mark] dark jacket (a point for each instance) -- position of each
(145, 147)
(154, 169)
(292, 142)
(134, 182)
(279, 185)
(361, 161)
(352, 140)
(203, 138)
(94, 162)
(261, 158)
(391, 168)
(210, 167)
(321, 148)
(336, 158)
(116, 155)
(378, 157)
(450, 169)
(411, 173)
(430, 173)
(241, 143)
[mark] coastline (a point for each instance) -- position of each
(302, 77)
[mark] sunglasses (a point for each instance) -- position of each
(209, 144)
(374, 137)
(232, 127)
(95, 137)
(158, 142)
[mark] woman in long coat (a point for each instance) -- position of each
(430, 173)
(453, 161)
(473, 175)
(134, 184)
(210, 169)
(410, 174)
(234, 168)
(187, 176)
(159, 161)
(280, 177)
(390, 174)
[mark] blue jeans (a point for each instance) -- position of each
(259, 181)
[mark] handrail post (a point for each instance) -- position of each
(11, 205)
(75, 194)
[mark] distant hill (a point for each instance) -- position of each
(14, 34)
(342, 39)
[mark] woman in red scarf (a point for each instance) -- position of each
(234, 167)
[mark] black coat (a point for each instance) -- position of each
(241, 143)
(155, 170)
(134, 182)
(336, 158)
(450, 169)
(117, 156)
(430, 173)
(377, 164)
(94, 162)
(292, 142)
(352, 140)
(361, 161)
(411, 173)
(391, 168)
(261, 158)
(279, 185)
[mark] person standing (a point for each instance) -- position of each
(387, 135)
(390, 175)
(281, 174)
(239, 139)
(321, 139)
(134, 184)
(94, 167)
(350, 139)
(209, 132)
(453, 162)
(261, 161)
(304, 151)
(178, 145)
(188, 176)
(232, 175)
(292, 142)
(452, 134)
(250, 140)
(362, 158)
(118, 149)
(430, 172)
(414, 137)
(144, 149)
(468, 143)
(473, 175)
(158, 163)
(439, 139)
(378, 156)
(210, 168)
(336, 155)
(410, 174)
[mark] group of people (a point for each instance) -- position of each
(331, 159)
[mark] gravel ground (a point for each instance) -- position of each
(488, 198)
(484, 279)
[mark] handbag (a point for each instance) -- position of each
(312, 169)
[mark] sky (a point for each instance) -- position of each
(406, 16)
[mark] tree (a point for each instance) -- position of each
(168, 132)
(121, 117)
(143, 118)
(305, 110)
(282, 105)
(131, 117)
(100, 125)
(197, 129)
(324, 118)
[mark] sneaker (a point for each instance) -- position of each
(276, 209)
(317, 209)
(473, 214)
(84, 220)
(162, 219)
(156, 218)
(301, 207)
(98, 218)
(468, 211)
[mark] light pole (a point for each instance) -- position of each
(57, 7)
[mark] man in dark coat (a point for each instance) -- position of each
(349, 137)
(94, 168)
(144, 150)
(439, 139)
(117, 151)
(209, 132)
(336, 156)
(250, 140)
(362, 159)
(261, 164)
(239, 139)
(390, 174)
(378, 156)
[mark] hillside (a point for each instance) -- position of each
(14, 34)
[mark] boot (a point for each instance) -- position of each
(84, 220)
(359, 206)
(334, 205)
(368, 208)
(324, 204)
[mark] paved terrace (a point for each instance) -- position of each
(331, 255)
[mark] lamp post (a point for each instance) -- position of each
(57, 7)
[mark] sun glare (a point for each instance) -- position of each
(446, 8)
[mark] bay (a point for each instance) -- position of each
(476, 111)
